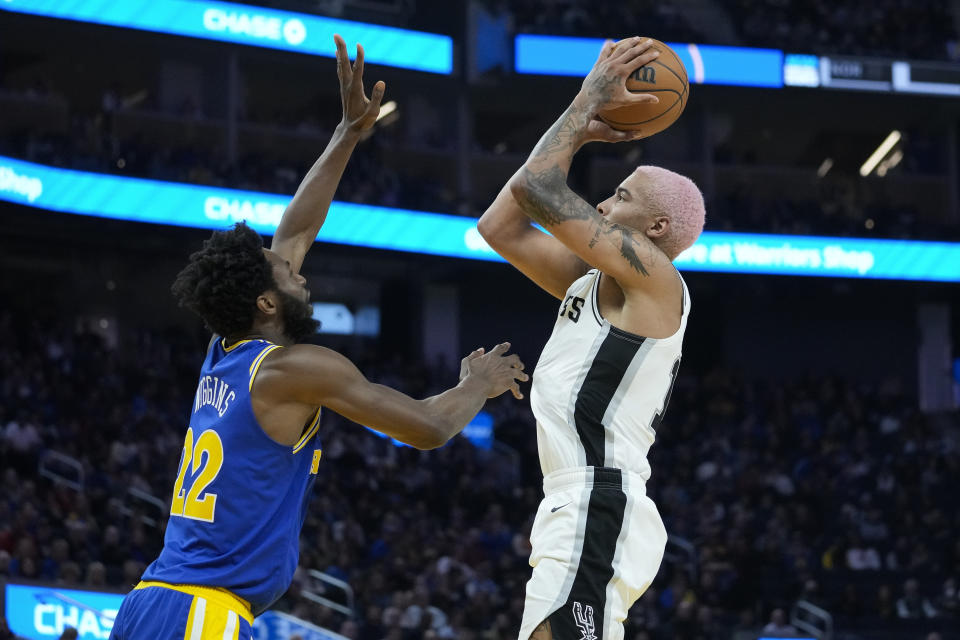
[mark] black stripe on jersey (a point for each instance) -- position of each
(584, 612)
(604, 376)
(596, 299)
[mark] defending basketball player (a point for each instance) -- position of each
(251, 451)
(604, 378)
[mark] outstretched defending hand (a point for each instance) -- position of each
(605, 87)
(500, 372)
(359, 112)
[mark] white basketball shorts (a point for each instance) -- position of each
(597, 545)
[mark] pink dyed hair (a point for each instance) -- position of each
(670, 194)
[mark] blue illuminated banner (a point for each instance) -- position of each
(801, 70)
(273, 625)
(257, 26)
(363, 225)
(187, 205)
(705, 64)
(42, 613)
(819, 256)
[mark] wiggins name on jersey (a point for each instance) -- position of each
(599, 392)
(240, 497)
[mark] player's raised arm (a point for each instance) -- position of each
(307, 211)
(540, 187)
(537, 255)
(312, 376)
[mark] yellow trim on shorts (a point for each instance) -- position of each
(191, 619)
(255, 365)
(222, 597)
(314, 427)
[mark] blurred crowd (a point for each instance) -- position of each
(817, 489)
(91, 140)
(915, 29)
(841, 206)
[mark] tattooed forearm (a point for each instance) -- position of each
(545, 197)
(566, 134)
(541, 185)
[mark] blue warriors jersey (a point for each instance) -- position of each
(240, 497)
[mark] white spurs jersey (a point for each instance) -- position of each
(599, 392)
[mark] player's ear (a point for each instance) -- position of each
(659, 227)
(267, 303)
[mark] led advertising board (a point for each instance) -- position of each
(256, 26)
(137, 199)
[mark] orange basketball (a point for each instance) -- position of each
(666, 78)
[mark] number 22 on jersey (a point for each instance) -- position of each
(189, 504)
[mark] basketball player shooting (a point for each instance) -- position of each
(251, 451)
(605, 375)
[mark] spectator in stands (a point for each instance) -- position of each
(22, 435)
(350, 629)
(391, 521)
(948, 604)
(912, 604)
(861, 556)
(778, 625)
(96, 574)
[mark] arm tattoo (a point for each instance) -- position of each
(564, 135)
(543, 193)
(547, 199)
(628, 249)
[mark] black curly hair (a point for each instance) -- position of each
(222, 281)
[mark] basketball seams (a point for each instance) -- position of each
(682, 92)
(679, 63)
(686, 81)
(683, 82)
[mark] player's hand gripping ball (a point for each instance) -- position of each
(665, 78)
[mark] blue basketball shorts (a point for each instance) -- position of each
(161, 611)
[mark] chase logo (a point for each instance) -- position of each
(25, 186)
(256, 26)
(43, 612)
(235, 209)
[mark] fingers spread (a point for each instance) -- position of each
(635, 60)
(358, 63)
(515, 390)
(343, 61)
(636, 47)
(500, 349)
(623, 45)
(608, 46)
(377, 95)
